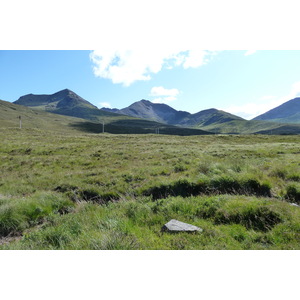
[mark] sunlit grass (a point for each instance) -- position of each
(117, 191)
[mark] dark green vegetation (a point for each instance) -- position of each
(103, 191)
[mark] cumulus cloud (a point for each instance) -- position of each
(195, 58)
(163, 95)
(253, 109)
(127, 65)
(105, 104)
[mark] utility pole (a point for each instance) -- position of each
(20, 122)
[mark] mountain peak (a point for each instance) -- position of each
(65, 92)
(59, 102)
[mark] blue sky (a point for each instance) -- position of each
(243, 82)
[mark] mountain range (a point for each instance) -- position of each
(165, 114)
(144, 116)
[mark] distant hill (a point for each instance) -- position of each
(168, 115)
(152, 111)
(64, 102)
(210, 116)
(288, 112)
(252, 127)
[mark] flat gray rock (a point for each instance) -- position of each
(177, 226)
(294, 204)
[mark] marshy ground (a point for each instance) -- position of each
(103, 191)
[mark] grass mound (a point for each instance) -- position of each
(293, 193)
(217, 185)
(78, 194)
(256, 218)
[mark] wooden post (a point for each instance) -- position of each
(103, 127)
(20, 122)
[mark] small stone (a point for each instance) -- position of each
(294, 204)
(177, 226)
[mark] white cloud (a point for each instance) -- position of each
(127, 65)
(105, 104)
(161, 91)
(196, 58)
(253, 109)
(250, 52)
(163, 95)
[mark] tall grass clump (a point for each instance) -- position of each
(18, 214)
(293, 192)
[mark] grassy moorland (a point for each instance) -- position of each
(103, 191)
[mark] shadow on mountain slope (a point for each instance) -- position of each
(135, 127)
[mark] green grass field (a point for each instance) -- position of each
(104, 191)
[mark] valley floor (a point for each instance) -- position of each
(103, 191)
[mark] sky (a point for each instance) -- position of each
(243, 82)
(191, 55)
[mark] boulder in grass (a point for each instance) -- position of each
(177, 226)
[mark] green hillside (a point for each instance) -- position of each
(9, 118)
(114, 123)
(211, 117)
(252, 127)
